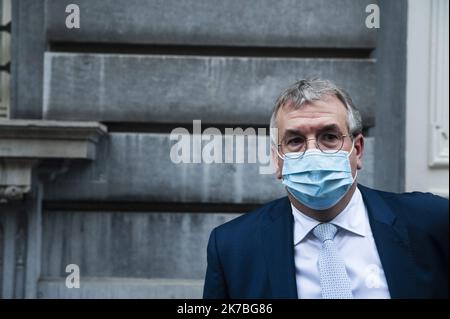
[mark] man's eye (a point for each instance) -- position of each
(329, 137)
(295, 141)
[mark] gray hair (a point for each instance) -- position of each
(312, 90)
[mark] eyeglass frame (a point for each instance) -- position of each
(343, 136)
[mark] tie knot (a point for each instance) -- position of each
(325, 231)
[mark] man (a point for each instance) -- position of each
(330, 237)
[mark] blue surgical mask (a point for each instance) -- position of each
(318, 180)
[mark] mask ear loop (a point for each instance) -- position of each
(353, 147)
(350, 153)
(354, 178)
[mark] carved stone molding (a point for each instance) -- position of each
(15, 178)
(13, 192)
(24, 143)
(42, 139)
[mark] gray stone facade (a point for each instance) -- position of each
(136, 223)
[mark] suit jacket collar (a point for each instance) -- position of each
(277, 244)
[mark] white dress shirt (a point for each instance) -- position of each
(356, 245)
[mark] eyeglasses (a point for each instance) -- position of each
(295, 146)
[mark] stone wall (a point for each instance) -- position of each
(136, 223)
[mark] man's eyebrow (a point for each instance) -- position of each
(293, 132)
(329, 127)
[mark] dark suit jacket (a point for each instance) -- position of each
(252, 256)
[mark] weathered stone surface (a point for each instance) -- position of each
(179, 89)
(128, 244)
(285, 23)
(28, 44)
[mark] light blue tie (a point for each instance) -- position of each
(334, 281)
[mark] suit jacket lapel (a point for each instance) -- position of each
(392, 241)
(277, 244)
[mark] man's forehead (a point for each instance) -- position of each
(326, 105)
(310, 113)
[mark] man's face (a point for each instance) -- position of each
(311, 119)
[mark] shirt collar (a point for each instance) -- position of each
(353, 219)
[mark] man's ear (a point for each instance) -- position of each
(277, 162)
(359, 149)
